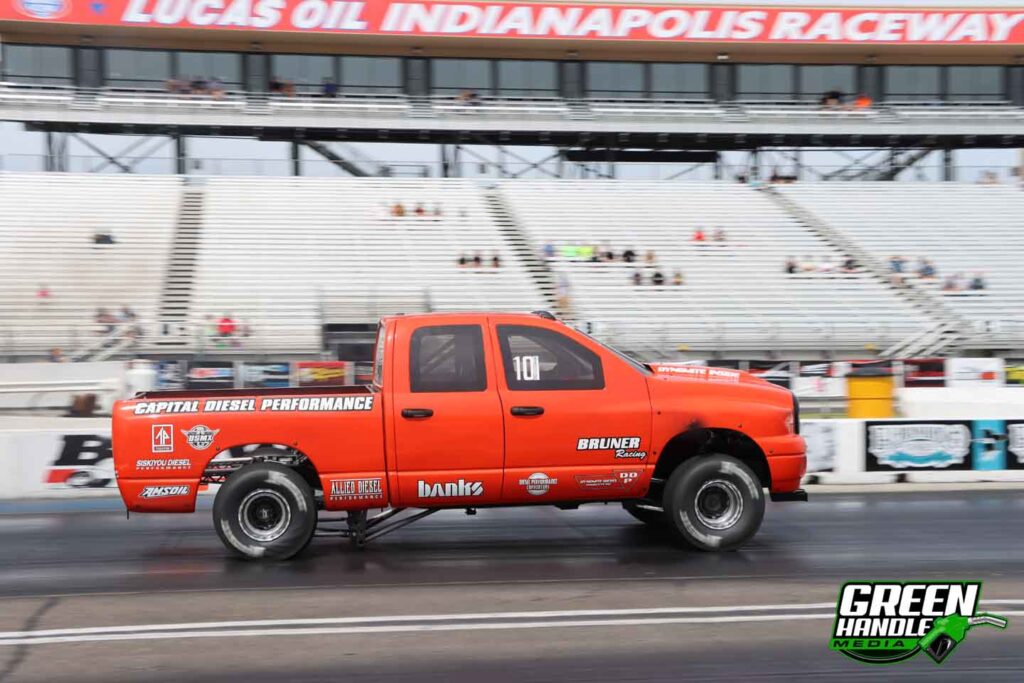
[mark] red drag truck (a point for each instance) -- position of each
(469, 411)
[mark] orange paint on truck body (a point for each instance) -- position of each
(466, 410)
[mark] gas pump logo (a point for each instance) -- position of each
(163, 438)
(885, 623)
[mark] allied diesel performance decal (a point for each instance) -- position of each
(200, 437)
(450, 489)
(625, 447)
(370, 488)
(315, 404)
(888, 622)
(166, 491)
(547, 20)
(538, 483)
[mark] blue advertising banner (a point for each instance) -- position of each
(989, 445)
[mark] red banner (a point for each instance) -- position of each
(542, 20)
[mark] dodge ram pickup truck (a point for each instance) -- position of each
(468, 411)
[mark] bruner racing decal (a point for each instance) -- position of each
(887, 622)
(625, 447)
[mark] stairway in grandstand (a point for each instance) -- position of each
(179, 279)
(55, 277)
(736, 297)
(280, 254)
(962, 228)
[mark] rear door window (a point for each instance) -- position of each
(447, 358)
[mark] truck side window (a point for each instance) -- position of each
(538, 358)
(447, 358)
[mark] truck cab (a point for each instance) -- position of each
(470, 410)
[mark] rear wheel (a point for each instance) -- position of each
(265, 511)
(714, 503)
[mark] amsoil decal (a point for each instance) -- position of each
(538, 483)
(199, 437)
(84, 461)
(889, 622)
(165, 491)
(625, 447)
(369, 488)
(935, 444)
(545, 20)
(450, 489)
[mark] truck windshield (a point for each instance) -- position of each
(642, 367)
(378, 358)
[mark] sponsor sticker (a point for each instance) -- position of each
(166, 491)
(888, 622)
(163, 438)
(450, 489)
(43, 9)
(699, 372)
(538, 483)
(614, 480)
(916, 445)
(163, 464)
(369, 488)
(200, 437)
(271, 404)
(625, 447)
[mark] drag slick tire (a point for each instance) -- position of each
(714, 503)
(652, 518)
(265, 511)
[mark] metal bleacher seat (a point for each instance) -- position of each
(47, 228)
(274, 250)
(736, 294)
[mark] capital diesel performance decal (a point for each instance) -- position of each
(888, 622)
(547, 20)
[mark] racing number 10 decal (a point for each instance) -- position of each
(527, 368)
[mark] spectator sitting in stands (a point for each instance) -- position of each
(650, 259)
(198, 85)
(849, 265)
(176, 86)
(478, 260)
(988, 178)
(548, 250)
(226, 326)
(495, 261)
(56, 355)
(105, 320)
(419, 210)
(831, 99)
(791, 266)
(862, 101)
(953, 283)
(437, 211)
(43, 294)
(216, 88)
(276, 85)
(103, 238)
(719, 235)
(977, 283)
(397, 210)
(808, 265)
(629, 256)
(926, 270)
(677, 278)
(896, 264)
(328, 88)
(657, 279)
(606, 252)
(462, 261)
(638, 279)
(698, 235)
(827, 265)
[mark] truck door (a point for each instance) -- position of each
(449, 445)
(577, 416)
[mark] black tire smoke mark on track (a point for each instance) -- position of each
(21, 651)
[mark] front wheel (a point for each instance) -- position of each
(265, 511)
(714, 503)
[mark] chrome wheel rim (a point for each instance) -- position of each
(718, 504)
(264, 515)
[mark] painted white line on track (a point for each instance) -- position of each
(471, 616)
(411, 628)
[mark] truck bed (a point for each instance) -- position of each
(354, 389)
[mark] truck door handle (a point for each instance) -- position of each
(527, 410)
(417, 412)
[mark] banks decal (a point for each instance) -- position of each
(538, 483)
(200, 437)
(165, 491)
(84, 461)
(919, 444)
(163, 464)
(888, 622)
(450, 489)
(163, 438)
(369, 488)
(625, 447)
